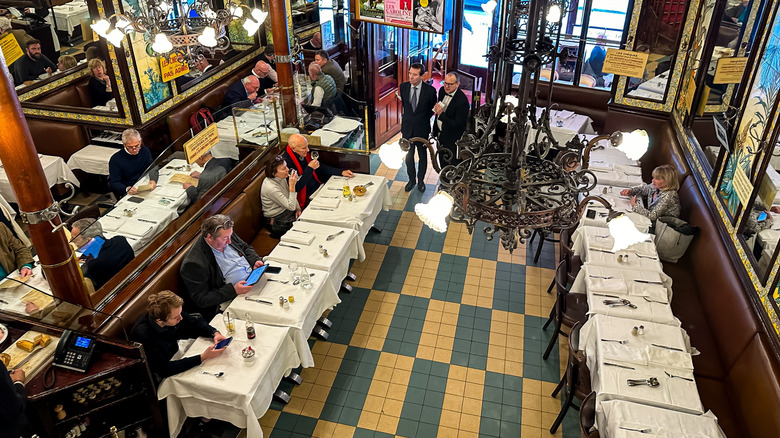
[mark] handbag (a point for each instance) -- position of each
(672, 237)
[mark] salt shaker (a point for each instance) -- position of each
(635, 331)
(641, 330)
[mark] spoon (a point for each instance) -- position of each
(333, 236)
(678, 377)
(651, 382)
(218, 374)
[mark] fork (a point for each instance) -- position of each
(278, 281)
(619, 341)
(218, 374)
(600, 276)
(637, 430)
(653, 301)
(678, 377)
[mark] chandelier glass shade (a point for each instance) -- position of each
(178, 26)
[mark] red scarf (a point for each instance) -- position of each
(302, 198)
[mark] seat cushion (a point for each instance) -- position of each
(714, 397)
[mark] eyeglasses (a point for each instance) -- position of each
(450, 83)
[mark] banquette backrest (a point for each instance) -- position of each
(57, 138)
(246, 212)
(590, 102)
(75, 94)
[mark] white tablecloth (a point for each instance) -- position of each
(359, 214)
(54, 168)
(587, 238)
(68, 16)
(140, 228)
(608, 156)
(92, 159)
(619, 416)
(569, 120)
(244, 393)
(341, 249)
(302, 315)
(167, 195)
(599, 217)
(617, 178)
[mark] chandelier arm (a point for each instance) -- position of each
(591, 143)
(428, 145)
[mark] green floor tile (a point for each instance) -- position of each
(406, 427)
(489, 427)
(430, 415)
(349, 416)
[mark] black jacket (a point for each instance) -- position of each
(235, 93)
(14, 400)
(114, 255)
(453, 119)
(307, 178)
(161, 343)
(417, 123)
(204, 287)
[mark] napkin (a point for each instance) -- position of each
(110, 223)
(325, 202)
(298, 238)
(135, 228)
(665, 357)
(628, 170)
(614, 351)
(168, 191)
(599, 165)
(617, 285)
(655, 292)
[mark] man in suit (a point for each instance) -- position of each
(114, 255)
(214, 169)
(452, 112)
(246, 88)
(417, 99)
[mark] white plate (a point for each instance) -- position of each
(3, 333)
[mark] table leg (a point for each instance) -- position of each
(281, 396)
(345, 287)
(375, 229)
(294, 377)
(320, 333)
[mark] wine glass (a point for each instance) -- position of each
(315, 155)
(295, 277)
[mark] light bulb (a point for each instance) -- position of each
(236, 11)
(115, 37)
(435, 212)
(392, 155)
(259, 15)
(554, 14)
(208, 37)
(625, 233)
(634, 144)
(101, 27)
(162, 44)
(489, 6)
(251, 26)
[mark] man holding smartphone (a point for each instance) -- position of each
(160, 329)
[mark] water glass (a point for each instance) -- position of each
(295, 276)
(305, 278)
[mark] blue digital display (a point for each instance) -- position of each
(82, 342)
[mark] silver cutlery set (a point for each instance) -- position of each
(618, 303)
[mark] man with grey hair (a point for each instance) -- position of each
(214, 169)
(245, 89)
(216, 267)
(323, 87)
(114, 254)
(128, 165)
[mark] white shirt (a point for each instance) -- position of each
(444, 103)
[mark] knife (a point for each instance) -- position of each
(667, 347)
(289, 246)
(648, 282)
(619, 366)
(257, 300)
(321, 208)
(25, 360)
(605, 295)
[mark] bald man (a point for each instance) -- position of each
(312, 172)
(266, 75)
(246, 89)
(323, 87)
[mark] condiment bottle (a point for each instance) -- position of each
(346, 192)
(250, 327)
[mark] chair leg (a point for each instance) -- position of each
(564, 408)
(549, 320)
(553, 339)
(552, 285)
(558, 388)
(539, 248)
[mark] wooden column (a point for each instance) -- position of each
(278, 12)
(21, 164)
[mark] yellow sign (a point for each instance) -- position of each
(729, 71)
(171, 68)
(742, 186)
(201, 143)
(11, 49)
(625, 63)
(767, 192)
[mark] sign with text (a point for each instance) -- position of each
(729, 70)
(426, 15)
(171, 68)
(201, 143)
(742, 185)
(10, 48)
(625, 63)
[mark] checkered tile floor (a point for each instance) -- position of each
(441, 336)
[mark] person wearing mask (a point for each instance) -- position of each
(660, 196)
(216, 267)
(278, 196)
(452, 113)
(331, 69)
(160, 329)
(128, 165)
(311, 172)
(113, 255)
(99, 84)
(33, 64)
(417, 100)
(14, 255)
(246, 89)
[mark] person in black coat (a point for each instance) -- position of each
(160, 329)
(208, 282)
(312, 172)
(452, 113)
(114, 255)
(416, 122)
(245, 89)
(13, 399)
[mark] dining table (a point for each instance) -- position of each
(68, 16)
(54, 169)
(229, 387)
(323, 247)
(596, 215)
(328, 206)
(300, 314)
(590, 241)
(569, 120)
(139, 225)
(625, 419)
(92, 159)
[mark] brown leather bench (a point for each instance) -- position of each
(589, 102)
(737, 373)
(57, 138)
(246, 212)
(74, 94)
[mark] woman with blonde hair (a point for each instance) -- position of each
(65, 62)
(660, 196)
(99, 84)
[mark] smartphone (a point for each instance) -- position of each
(273, 269)
(255, 275)
(762, 216)
(135, 199)
(224, 343)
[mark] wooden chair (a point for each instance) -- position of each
(91, 211)
(567, 253)
(588, 416)
(439, 60)
(569, 308)
(575, 381)
(587, 81)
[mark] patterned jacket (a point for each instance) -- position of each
(666, 204)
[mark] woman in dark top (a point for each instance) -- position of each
(99, 83)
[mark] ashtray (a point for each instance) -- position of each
(248, 353)
(359, 190)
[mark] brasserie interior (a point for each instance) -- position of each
(500, 301)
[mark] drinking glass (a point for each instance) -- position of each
(305, 278)
(315, 155)
(295, 276)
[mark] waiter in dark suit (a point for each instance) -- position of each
(452, 113)
(417, 99)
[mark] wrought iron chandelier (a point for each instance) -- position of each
(512, 174)
(176, 26)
